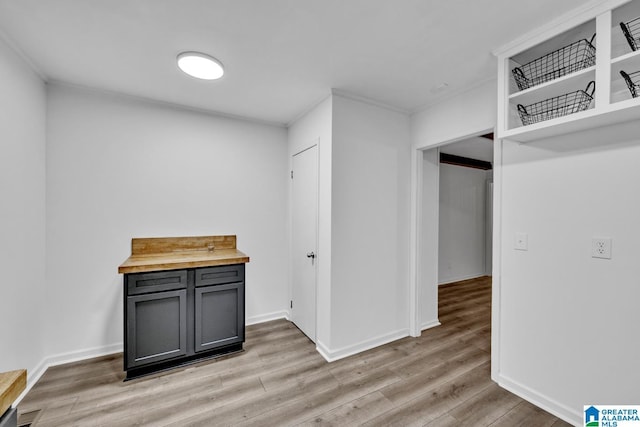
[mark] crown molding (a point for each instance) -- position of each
(349, 95)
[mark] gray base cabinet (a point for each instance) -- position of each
(181, 316)
(10, 418)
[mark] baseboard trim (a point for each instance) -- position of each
(430, 324)
(341, 353)
(323, 350)
(540, 400)
(75, 356)
(461, 278)
(33, 376)
(62, 358)
(253, 320)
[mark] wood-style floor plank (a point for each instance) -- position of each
(353, 413)
(439, 379)
(438, 401)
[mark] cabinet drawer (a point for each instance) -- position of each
(144, 283)
(220, 275)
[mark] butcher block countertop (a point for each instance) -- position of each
(11, 385)
(173, 253)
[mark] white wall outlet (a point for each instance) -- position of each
(521, 242)
(601, 247)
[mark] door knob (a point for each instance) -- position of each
(311, 255)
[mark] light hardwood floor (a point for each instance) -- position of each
(439, 379)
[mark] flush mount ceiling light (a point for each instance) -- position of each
(200, 65)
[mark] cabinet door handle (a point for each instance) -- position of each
(311, 255)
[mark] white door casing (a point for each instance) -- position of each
(304, 240)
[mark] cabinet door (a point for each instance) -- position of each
(219, 317)
(156, 327)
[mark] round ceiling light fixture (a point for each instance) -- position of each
(200, 65)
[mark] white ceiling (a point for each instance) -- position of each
(474, 148)
(281, 56)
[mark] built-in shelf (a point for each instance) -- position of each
(565, 84)
(612, 100)
(619, 112)
(631, 57)
(630, 63)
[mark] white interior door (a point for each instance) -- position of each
(304, 240)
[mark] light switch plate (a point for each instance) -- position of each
(601, 247)
(521, 242)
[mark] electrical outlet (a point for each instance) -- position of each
(601, 247)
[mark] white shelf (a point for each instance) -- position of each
(619, 112)
(613, 103)
(630, 63)
(565, 84)
(622, 56)
(631, 57)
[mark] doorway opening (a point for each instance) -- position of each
(465, 216)
(455, 219)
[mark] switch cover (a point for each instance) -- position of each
(521, 242)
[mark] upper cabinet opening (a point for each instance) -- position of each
(579, 74)
(625, 52)
(554, 78)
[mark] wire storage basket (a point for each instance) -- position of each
(631, 31)
(557, 106)
(566, 60)
(633, 82)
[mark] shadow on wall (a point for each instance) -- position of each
(608, 138)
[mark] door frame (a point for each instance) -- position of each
(317, 260)
(417, 228)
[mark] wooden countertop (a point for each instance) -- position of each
(173, 253)
(178, 260)
(11, 385)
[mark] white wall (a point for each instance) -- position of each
(569, 322)
(314, 127)
(362, 288)
(22, 213)
(428, 240)
(119, 168)
(464, 115)
(370, 225)
(488, 234)
(462, 224)
(468, 114)
(564, 324)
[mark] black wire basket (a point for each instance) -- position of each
(557, 106)
(633, 82)
(631, 31)
(571, 58)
